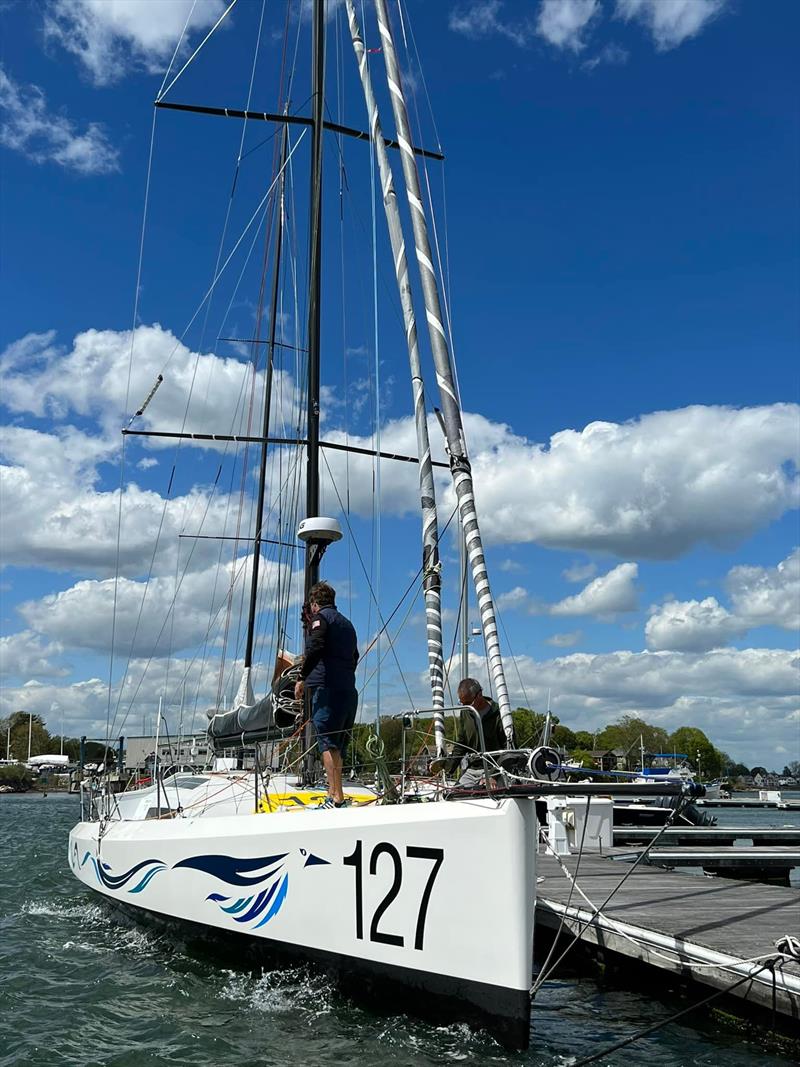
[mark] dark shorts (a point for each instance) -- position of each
(333, 712)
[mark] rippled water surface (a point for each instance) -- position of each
(80, 986)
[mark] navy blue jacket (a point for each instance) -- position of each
(331, 651)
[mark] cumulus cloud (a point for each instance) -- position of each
(200, 393)
(25, 653)
(670, 22)
(565, 640)
(84, 704)
(112, 37)
(54, 516)
(579, 572)
(606, 596)
(652, 488)
(563, 23)
(486, 18)
(733, 695)
(767, 596)
(513, 598)
(691, 626)
(153, 618)
(42, 135)
(760, 596)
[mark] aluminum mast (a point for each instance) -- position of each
(431, 580)
(454, 430)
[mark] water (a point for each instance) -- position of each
(78, 985)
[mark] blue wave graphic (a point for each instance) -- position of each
(118, 881)
(231, 870)
(271, 882)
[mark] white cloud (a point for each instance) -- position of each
(565, 640)
(760, 596)
(43, 135)
(745, 700)
(563, 23)
(24, 653)
(691, 626)
(153, 618)
(54, 516)
(514, 598)
(111, 37)
(579, 572)
(91, 379)
(510, 565)
(483, 18)
(605, 596)
(670, 22)
(767, 596)
(653, 487)
(84, 704)
(611, 55)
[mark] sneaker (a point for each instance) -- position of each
(328, 802)
(346, 803)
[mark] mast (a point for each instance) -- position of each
(245, 695)
(431, 566)
(314, 282)
(454, 430)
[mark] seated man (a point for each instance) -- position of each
(468, 739)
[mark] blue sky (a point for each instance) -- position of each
(619, 214)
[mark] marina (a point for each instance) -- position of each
(710, 932)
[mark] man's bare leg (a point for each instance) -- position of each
(332, 762)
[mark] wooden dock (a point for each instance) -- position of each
(748, 802)
(703, 929)
(737, 837)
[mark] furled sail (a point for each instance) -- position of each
(431, 580)
(451, 411)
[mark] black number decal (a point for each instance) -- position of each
(354, 860)
(437, 855)
(374, 933)
(413, 852)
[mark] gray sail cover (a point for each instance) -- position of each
(275, 716)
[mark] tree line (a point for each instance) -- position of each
(628, 735)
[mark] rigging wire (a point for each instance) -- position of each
(377, 524)
(197, 50)
(118, 546)
(368, 578)
(177, 49)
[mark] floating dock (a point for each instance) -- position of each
(753, 862)
(748, 802)
(705, 930)
(737, 837)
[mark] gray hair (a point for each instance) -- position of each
(469, 688)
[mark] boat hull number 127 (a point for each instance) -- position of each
(393, 859)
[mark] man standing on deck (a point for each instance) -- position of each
(329, 670)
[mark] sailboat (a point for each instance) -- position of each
(383, 893)
(424, 899)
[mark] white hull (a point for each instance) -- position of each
(432, 900)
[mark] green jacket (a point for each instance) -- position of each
(467, 741)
